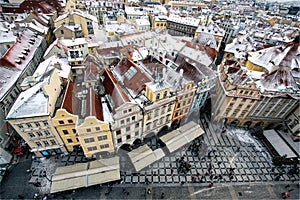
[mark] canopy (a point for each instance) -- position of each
(142, 157)
(85, 174)
(182, 136)
(279, 144)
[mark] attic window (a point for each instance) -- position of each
(27, 49)
(18, 61)
(24, 52)
(22, 57)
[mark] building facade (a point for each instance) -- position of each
(33, 123)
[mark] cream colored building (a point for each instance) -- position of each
(87, 22)
(31, 116)
(293, 124)
(259, 92)
(126, 116)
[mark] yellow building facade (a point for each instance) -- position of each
(95, 137)
(65, 124)
(184, 101)
(159, 110)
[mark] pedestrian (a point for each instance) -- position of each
(148, 191)
(211, 184)
(36, 196)
(162, 195)
(45, 197)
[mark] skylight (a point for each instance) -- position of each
(130, 73)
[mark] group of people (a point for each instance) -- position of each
(183, 166)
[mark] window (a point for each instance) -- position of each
(37, 124)
(122, 121)
(158, 96)
(97, 128)
(125, 111)
(38, 144)
(29, 125)
(149, 115)
(39, 133)
(31, 135)
(88, 140)
(61, 122)
(74, 130)
(128, 128)
(102, 137)
(47, 133)
(133, 118)
(127, 137)
(137, 125)
(165, 94)
(129, 110)
(93, 148)
(20, 126)
(53, 142)
(128, 119)
(45, 123)
(69, 140)
(62, 31)
(119, 140)
(70, 121)
(88, 130)
(65, 132)
(136, 133)
(156, 113)
(46, 143)
(103, 146)
(118, 132)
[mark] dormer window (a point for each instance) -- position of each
(18, 61)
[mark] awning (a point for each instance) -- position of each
(279, 144)
(182, 136)
(85, 174)
(142, 157)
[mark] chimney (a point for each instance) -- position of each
(57, 65)
(164, 73)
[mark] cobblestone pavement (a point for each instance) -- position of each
(233, 156)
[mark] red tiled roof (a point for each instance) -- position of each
(91, 68)
(211, 52)
(70, 102)
(153, 64)
(137, 82)
(190, 72)
(93, 105)
(112, 87)
(44, 6)
(22, 43)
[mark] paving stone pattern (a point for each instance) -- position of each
(223, 152)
